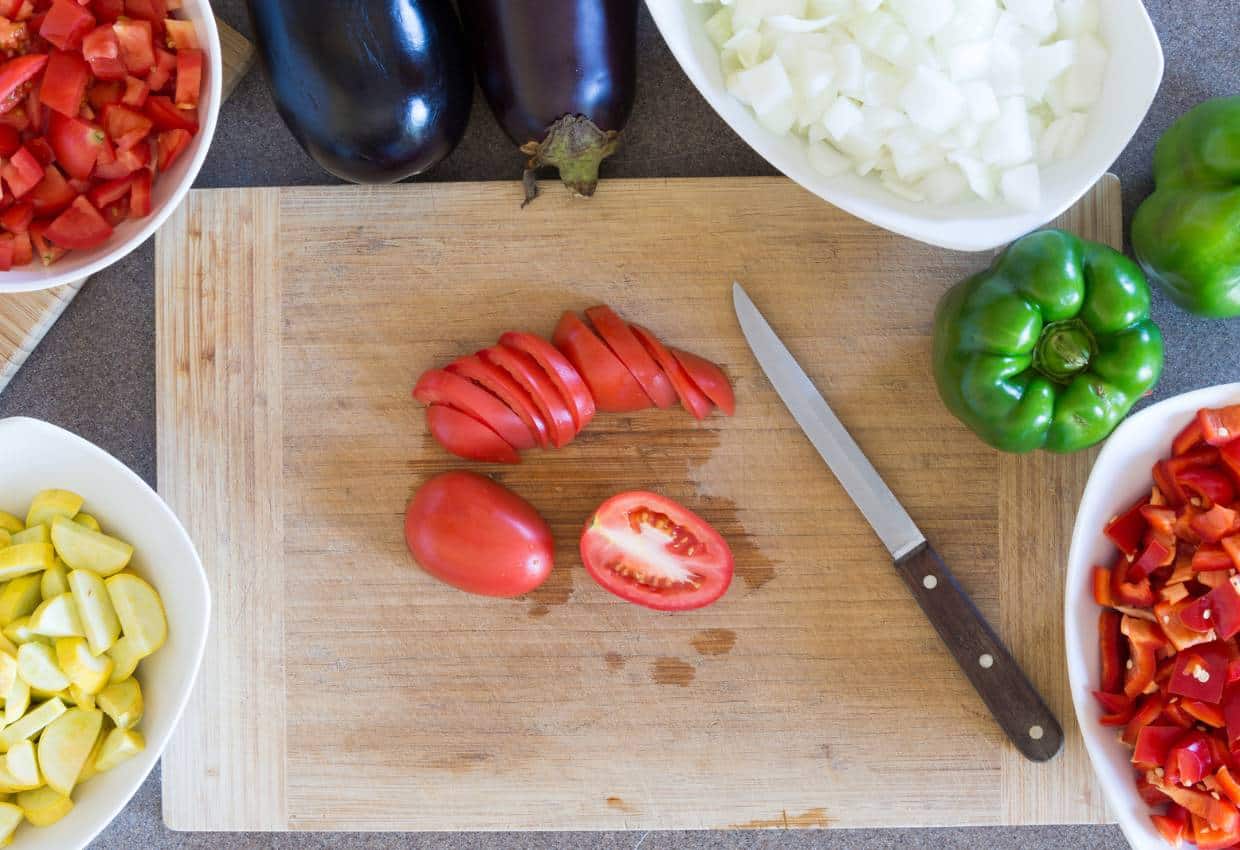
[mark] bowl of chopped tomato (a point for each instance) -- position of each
(107, 108)
(1152, 621)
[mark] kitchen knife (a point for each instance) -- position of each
(1004, 688)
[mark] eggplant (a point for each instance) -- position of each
(560, 76)
(374, 90)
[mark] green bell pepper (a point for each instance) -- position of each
(1050, 347)
(1187, 234)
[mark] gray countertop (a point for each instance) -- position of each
(95, 371)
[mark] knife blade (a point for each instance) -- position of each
(1011, 697)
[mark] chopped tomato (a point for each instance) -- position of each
(110, 192)
(162, 73)
(66, 24)
(14, 75)
(167, 116)
(189, 77)
(181, 34)
(102, 51)
(17, 218)
(126, 127)
(76, 144)
(6, 252)
(137, 45)
(52, 194)
(135, 94)
(22, 252)
(466, 437)
(651, 551)
(22, 172)
(148, 10)
(140, 194)
(47, 252)
(171, 143)
(80, 226)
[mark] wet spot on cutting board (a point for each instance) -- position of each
(615, 662)
(672, 671)
(809, 819)
(714, 641)
(617, 803)
(752, 567)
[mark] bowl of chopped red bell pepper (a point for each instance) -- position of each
(107, 108)
(1152, 621)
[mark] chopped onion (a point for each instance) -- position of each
(942, 101)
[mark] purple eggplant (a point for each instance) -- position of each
(560, 76)
(374, 90)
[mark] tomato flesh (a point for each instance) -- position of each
(477, 536)
(439, 387)
(465, 436)
(566, 378)
(80, 226)
(612, 385)
(497, 382)
(691, 398)
(623, 342)
(653, 552)
(526, 372)
(710, 379)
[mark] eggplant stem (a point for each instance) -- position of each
(577, 147)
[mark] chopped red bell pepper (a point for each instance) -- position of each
(1147, 710)
(1144, 641)
(1154, 745)
(1119, 708)
(1210, 557)
(1220, 426)
(1215, 524)
(1161, 519)
(1190, 759)
(1209, 485)
(1137, 593)
(1180, 632)
(1127, 529)
(1231, 545)
(1228, 784)
(1210, 715)
(1230, 456)
(1157, 554)
(1200, 673)
(1172, 825)
(1102, 587)
(1174, 715)
(1189, 438)
(1111, 647)
(1219, 814)
(1207, 837)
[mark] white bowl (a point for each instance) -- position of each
(167, 192)
(1119, 478)
(35, 456)
(1133, 74)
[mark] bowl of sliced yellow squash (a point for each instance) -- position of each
(104, 607)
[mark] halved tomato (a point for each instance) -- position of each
(566, 378)
(691, 398)
(496, 381)
(526, 372)
(439, 387)
(613, 386)
(464, 436)
(621, 340)
(710, 379)
(649, 550)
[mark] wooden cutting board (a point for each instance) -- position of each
(25, 317)
(345, 689)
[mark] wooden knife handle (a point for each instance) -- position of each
(1008, 694)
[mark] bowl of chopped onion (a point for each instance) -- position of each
(959, 123)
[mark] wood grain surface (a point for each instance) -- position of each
(25, 317)
(345, 689)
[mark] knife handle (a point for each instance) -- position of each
(996, 677)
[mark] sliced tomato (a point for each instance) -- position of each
(170, 144)
(80, 226)
(526, 372)
(181, 34)
(464, 436)
(439, 387)
(77, 144)
(66, 24)
(498, 382)
(189, 77)
(651, 551)
(613, 386)
(561, 372)
(102, 51)
(623, 343)
(15, 74)
(22, 172)
(137, 45)
(710, 379)
(52, 194)
(17, 218)
(140, 194)
(167, 116)
(691, 398)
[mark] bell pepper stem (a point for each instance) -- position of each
(1064, 350)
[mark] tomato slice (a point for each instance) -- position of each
(14, 74)
(691, 398)
(623, 343)
(468, 531)
(497, 382)
(80, 226)
(566, 379)
(710, 379)
(526, 372)
(649, 550)
(613, 386)
(439, 387)
(464, 436)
